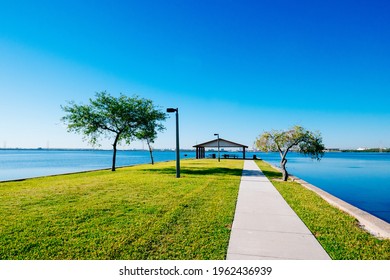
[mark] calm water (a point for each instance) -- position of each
(361, 179)
(19, 164)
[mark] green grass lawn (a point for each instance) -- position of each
(144, 212)
(140, 212)
(337, 231)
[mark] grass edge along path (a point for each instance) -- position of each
(338, 232)
(140, 212)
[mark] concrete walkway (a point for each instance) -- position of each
(265, 227)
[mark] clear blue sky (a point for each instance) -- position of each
(236, 68)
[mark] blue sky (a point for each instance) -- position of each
(236, 68)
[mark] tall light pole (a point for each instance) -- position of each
(217, 134)
(172, 110)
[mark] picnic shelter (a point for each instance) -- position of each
(219, 142)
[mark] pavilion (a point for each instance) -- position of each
(201, 148)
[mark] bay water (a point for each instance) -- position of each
(24, 163)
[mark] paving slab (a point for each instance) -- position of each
(265, 226)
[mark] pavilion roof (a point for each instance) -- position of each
(222, 143)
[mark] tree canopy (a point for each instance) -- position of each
(122, 118)
(297, 138)
(150, 125)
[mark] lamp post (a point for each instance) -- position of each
(172, 110)
(217, 134)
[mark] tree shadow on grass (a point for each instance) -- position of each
(199, 171)
(272, 174)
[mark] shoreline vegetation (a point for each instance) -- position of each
(143, 212)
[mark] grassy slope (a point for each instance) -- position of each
(337, 232)
(140, 212)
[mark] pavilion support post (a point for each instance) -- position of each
(243, 153)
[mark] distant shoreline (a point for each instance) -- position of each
(370, 150)
(373, 150)
(90, 149)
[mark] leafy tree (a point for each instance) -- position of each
(151, 125)
(106, 116)
(298, 138)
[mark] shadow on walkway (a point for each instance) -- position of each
(251, 173)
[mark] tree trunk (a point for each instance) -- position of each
(284, 170)
(114, 152)
(150, 151)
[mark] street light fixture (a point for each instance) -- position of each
(173, 110)
(217, 134)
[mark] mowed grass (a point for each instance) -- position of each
(338, 232)
(141, 212)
